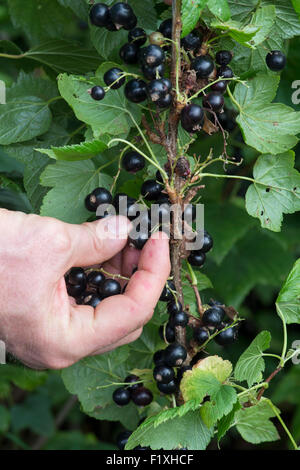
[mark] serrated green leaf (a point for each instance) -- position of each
(276, 190)
(220, 404)
(288, 300)
(264, 18)
(197, 384)
(219, 367)
(34, 414)
(287, 23)
(190, 14)
(72, 153)
(80, 7)
(238, 32)
(227, 421)
(251, 364)
(254, 423)
(241, 10)
(220, 9)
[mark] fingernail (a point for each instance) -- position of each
(160, 236)
(116, 228)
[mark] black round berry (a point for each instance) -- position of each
(131, 379)
(165, 28)
(150, 73)
(133, 161)
(142, 396)
(223, 57)
(164, 101)
(191, 42)
(95, 278)
(163, 374)
(168, 388)
(213, 316)
(174, 307)
(122, 15)
(76, 276)
(276, 61)
(226, 337)
(136, 90)
(112, 78)
(99, 196)
(203, 65)
(179, 319)
(207, 242)
(121, 396)
(197, 258)
(156, 38)
(110, 26)
(167, 333)
(152, 55)
(75, 290)
(225, 72)
(98, 93)
(159, 357)
(175, 355)
(201, 335)
(167, 293)
(213, 101)
(192, 117)
(168, 86)
(181, 371)
(129, 53)
(122, 439)
(151, 190)
(140, 240)
(99, 14)
(109, 288)
(156, 89)
(137, 36)
(220, 86)
(92, 300)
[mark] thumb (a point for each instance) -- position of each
(95, 242)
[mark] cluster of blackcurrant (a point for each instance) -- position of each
(133, 390)
(91, 286)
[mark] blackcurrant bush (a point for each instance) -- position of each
(165, 101)
(201, 335)
(99, 196)
(225, 72)
(168, 388)
(140, 241)
(98, 93)
(165, 28)
(167, 333)
(192, 117)
(174, 307)
(276, 61)
(179, 319)
(197, 258)
(76, 276)
(167, 293)
(110, 287)
(121, 396)
(152, 55)
(137, 36)
(223, 57)
(130, 380)
(75, 290)
(191, 42)
(213, 316)
(220, 86)
(213, 101)
(92, 300)
(133, 161)
(156, 89)
(203, 66)
(113, 78)
(142, 396)
(95, 278)
(150, 73)
(99, 14)
(151, 190)
(129, 53)
(175, 355)
(226, 337)
(136, 90)
(159, 357)
(122, 15)
(122, 439)
(163, 374)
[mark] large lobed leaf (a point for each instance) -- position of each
(288, 300)
(254, 423)
(251, 365)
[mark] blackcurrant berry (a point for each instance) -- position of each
(95, 278)
(213, 316)
(167, 333)
(191, 42)
(121, 396)
(98, 93)
(181, 371)
(122, 439)
(150, 73)
(142, 396)
(113, 78)
(213, 101)
(225, 72)
(133, 161)
(223, 57)
(197, 258)
(203, 66)
(140, 241)
(220, 86)
(77, 276)
(174, 307)
(152, 55)
(276, 61)
(179, 319)
(137, 36)
(122, 15)
(129, 53)
(226, 337)
(92, 300)
(163, 374)
(168, 388)
(207, 242)
(164, 101)
(90, 207)
(168, 86)
(151, 190)
(213, 302)
(109, 288)
(110, 26)
(156, 89)
(192, 117)
(201, 335)
(99, 196)
(159, 357)
(167, 293)
(136, 90)
(75, 290)
(175, 355)
(165, 28)
(99, 14)
(156, 38)
(227, 120)
(131, 379)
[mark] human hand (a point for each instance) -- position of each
(39, 323)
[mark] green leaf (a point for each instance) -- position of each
(227, 421)
(189, 296)
(186, 431)
(241, 10)
(34, 414)
(220, 9)
(31, 85)
(268, 127)
(4, 419)
(287, 24)
(296, 5)
(190, 14)
(238, 32)
(128, 415)
(79, 7)
(71, 182)
(254, 423)
(264, 18)
(107, 43)
(220, 404)
(72, 153)
(21, 376)
(276, 190)
(288, 300)
(219, 367)
(251, 364)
